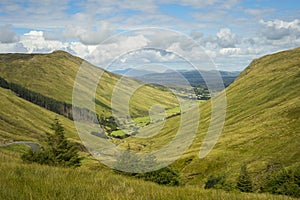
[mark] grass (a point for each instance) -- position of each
(32, 181)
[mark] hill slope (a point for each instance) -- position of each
(262, 124)
(22, 120)
(54, 74)
(263, 118)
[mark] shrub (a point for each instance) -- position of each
(284, 181)
(216, 182)
(127, 162)
(163, 176)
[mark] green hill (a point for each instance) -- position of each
(22, 120)
(54, 74)
(262, 124)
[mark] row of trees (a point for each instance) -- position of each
(59, 107)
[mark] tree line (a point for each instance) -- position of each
(59, 107)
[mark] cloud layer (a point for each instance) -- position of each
(230, 32)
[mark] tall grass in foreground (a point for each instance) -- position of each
(24, 181)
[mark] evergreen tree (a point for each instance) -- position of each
(244, 182)
(59, 151)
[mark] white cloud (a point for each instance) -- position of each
(7, 35)
(34, 13)
(227, 4)
(258, 12)
(278, 29)
(225, 38)
(34, 41)
(12, 47)
(90, 33)
(109, 52)
(230, 51)
(103, 32)
(196, 34)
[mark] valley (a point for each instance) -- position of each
(261, 130)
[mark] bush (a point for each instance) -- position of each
(218, 182)
(215, 182)
(284, 181)
(127, 162)
(163, 176)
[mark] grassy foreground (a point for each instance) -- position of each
(33, 181)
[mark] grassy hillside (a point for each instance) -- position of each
(263, 120)
(22, 120)
(262, 123)
(44, 182)
(54, 74)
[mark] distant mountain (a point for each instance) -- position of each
(130, 72)
(193, 77)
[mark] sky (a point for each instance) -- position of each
(127, 33)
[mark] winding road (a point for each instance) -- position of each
(34, 145)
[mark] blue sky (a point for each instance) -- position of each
(231, 32)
